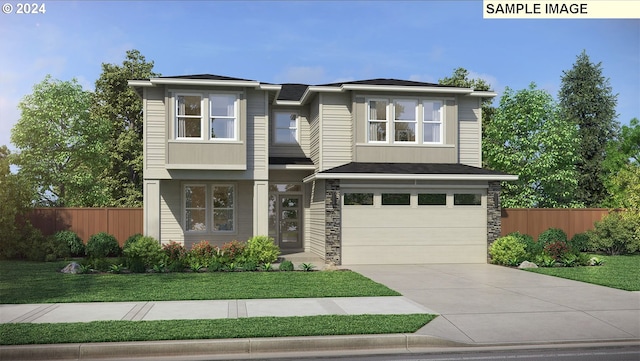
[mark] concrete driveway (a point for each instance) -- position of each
(483, 303)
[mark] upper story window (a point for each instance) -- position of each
(217, 112)
(432, 119)
(286, 128)
(405, 120)
(377, 120)
(189, 116)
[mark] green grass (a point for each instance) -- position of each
(120, 331)
(620, 272)
(37, 282)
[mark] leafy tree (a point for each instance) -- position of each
(586, 98)
(623, 168)
(61, 147)
(118, 104)
(460, 78)
(526, 137)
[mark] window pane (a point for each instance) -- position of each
(195, 220)
(289, 202)
(285, 188)
(435, 199)
(358, 199)
(223, 128)
(467, 199)
(286, 136)
(432, 111)
(286, 120)
(405, 110)
(396, 199)
(378, 110)
(432, 133)
(405, 132)
(189, 127)
(377, 132)
(189, 105)
(223, 105)
(223, 197)
(223, 220)
(195, 197)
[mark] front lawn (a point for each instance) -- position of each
(37, 282)
(121, 331)
(616, 272)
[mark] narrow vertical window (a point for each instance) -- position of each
(432, 121)
(195, 208)
(404, 120)
(377, 120)
(223, 208)
(188, 116)
(286, 128)
(223, 115)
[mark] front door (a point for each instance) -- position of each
(289, 230)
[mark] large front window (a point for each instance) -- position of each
(206, 116)
(405, 121)
(209, 214)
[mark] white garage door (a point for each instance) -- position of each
(420, 227)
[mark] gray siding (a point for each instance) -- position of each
(170, 211)
(191, 155)
(257, 134)
(317, 219)
(314, 131)
(470, 131)
(337, 130)
(155, 136)
(469, 108)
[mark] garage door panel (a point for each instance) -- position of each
(385, 236)
(410, 217)
(414, 254)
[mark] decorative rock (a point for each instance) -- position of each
(71, 268)
(331, 266)
(527, 264)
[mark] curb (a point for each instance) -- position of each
(236, 347)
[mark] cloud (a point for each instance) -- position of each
(303, 74)
(490, 79)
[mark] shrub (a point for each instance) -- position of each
(508, 251)
(286, 265)
(102, 245)
(73, 242)
(250, 266)
(176, 256)
(132, 238)
(231, 252)
(32, 244)
(261, 249)
(201, 254)
(533, 248)
(144, 253)
(552, 235)
(558, 250)
(580, 241)
(617, 233)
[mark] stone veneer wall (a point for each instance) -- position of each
(494, 212)
(333, 222)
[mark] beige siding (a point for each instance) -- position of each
(170, 211)
(314, 131)
(336, 134)
(302, 149)
(317, 219)
(257, 134)
(469, 108)
(406, 154)
(155, 128)
(470, 148)
(220, 155)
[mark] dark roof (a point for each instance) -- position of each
(381, 81)
(410, 168)
(290, 160)
(292, 91)
(203, 77)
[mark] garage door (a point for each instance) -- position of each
(420, 227)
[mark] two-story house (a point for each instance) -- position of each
(377, 171)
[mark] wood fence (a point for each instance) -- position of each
(533, 221)
(120, 222)
(124, 222)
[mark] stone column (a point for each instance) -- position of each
(494, 212)
(333, 222)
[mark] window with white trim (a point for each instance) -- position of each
(223, 208)
(405, 120)
(195, 208)
(286, 128)
(189, 116)
(432, 121)
(209, 208)
(377, 120)
(223, 116)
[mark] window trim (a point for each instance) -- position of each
(236, 117)
(234, 208)
(369, 121)
(206, 116)
(275, 127)
(176, 115)
(184, 208)
(209, 208)
(441, 122)
(392, 102)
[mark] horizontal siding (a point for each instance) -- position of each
(155, 129)
(337, 132)
(314, 132)
(257, 138)
(469, 108)
(170, 211)
(406, 154)
(317, 220)
(470, 151)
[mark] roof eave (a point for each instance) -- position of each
(483, 94)
(437, 177)
(206, 82)
(405, 88)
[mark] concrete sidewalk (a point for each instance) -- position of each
(188, 310)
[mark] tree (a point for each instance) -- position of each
(61, 147)
(622, 166)
(121, 107)
(526, 137)
(460, 78)
(586, 99)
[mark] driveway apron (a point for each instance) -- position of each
(483, 303)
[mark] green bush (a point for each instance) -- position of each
(32, 244)
(73, 242)
(508, 251)
(580, 242)
(533, 248)
(231, 252)
(176, 256)
(552, 235)
(261, 249)
(201, 253)
(102, 245)
(286, 265)
(132, 238)
(617, 233)
(250, 266)
(144, 253)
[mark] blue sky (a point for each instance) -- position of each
(309, 42)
